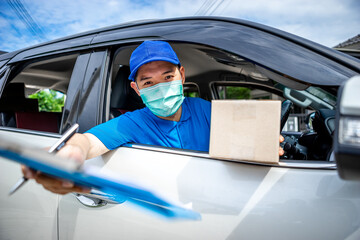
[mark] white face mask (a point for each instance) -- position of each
(163, 99)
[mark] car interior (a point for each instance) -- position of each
(215, 74)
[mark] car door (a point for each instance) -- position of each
(235, 199)
(31, 212)
(292, 200)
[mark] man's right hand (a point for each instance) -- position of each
(53, 184)
(80, 147)
(56, 185)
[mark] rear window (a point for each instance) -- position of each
(34, 98)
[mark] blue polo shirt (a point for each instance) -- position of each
(142, 126)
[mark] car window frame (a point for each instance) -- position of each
(212, 85)
(302, 164)
(193, 84)
(283, 163)
(13, 68)
(308, 164)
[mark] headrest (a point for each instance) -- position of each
(13, 90)
(13, 99)
(122, 95)
(285, 112)
(323, 122)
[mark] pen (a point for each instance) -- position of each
(56, 147)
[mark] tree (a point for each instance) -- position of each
(49, 100)
(238, 93)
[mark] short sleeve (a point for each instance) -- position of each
(116, 132)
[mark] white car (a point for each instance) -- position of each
(302, 197)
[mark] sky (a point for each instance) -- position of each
(27, 22)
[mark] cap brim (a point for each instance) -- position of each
(133, 72)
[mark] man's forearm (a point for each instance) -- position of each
(96, 147)
(80, 141)
(83, 146)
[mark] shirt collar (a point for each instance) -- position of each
(167, 125)
(185, 114)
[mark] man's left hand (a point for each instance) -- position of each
(281, 150)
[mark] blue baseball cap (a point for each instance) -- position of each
(150, 51)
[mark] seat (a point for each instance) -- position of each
(39, 121)
(123, 98)
(13, 100)
(18, 111)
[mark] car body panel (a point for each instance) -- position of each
(32, 212)
(235, 200)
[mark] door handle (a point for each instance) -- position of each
(98, 198)
(90, 201)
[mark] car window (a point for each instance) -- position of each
(33, 99)
(191, 90)
(49, 100)
(296, 121)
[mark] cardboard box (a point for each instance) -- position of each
(245, 130)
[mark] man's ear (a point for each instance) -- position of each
(182, 73)
(133, 86)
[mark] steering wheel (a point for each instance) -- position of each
(285, 111)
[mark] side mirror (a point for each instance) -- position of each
(347, 130)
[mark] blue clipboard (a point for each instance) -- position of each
(112, 189)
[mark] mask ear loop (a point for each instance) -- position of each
(137, 86)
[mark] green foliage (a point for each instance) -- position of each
(49, 100)
(191, 94)
(238, 93)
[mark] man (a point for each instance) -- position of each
(169, 119)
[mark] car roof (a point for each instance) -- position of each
(187, 30)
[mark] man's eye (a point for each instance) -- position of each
(147, 83)
(168, 77)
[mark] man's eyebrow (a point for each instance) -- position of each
(144, 78)
(166, 72)
(169, 71)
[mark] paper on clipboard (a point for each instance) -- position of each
(115, 190)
